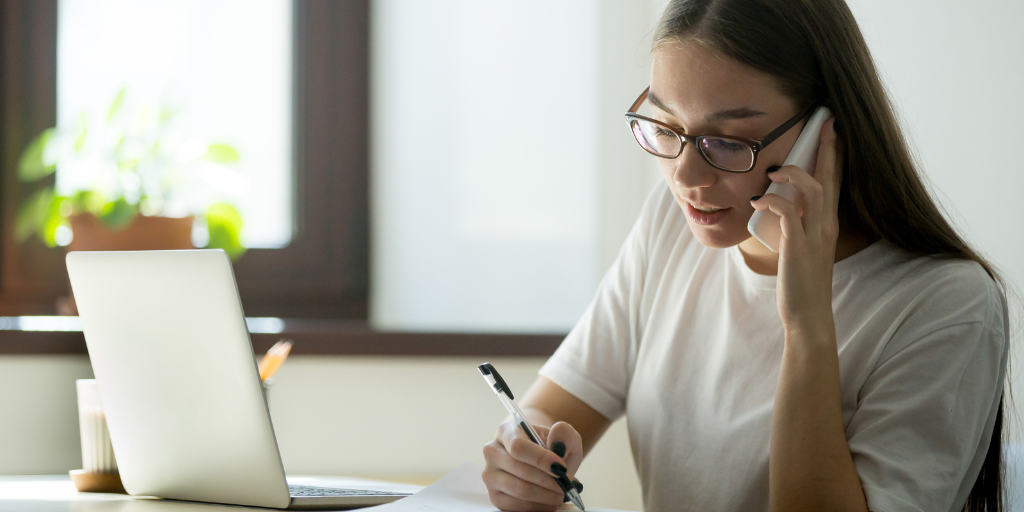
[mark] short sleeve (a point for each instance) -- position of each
(595, 361)
(926, 414)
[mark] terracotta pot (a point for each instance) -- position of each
(143, 234)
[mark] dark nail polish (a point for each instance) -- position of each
(579, 486)
(558, 469)
(566, 498)
(773, 169)
(559, 448)
(755, 198)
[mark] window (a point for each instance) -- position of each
(228, 81)
(322, 271)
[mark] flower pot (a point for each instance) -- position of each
(143, 234)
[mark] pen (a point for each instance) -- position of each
(505, 396)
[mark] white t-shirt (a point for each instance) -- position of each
(686, 340)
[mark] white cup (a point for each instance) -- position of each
(97, 452)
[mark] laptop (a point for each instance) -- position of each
(179, 383)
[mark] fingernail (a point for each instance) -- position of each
(559, 448)
(566, 498)
(773, 169)
(558, 469)
(579, 486)
(755, 198)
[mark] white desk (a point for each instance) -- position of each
(55, 493)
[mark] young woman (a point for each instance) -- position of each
(859, 368)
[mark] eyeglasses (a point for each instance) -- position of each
(731, 154)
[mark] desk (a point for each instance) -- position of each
(55, 493)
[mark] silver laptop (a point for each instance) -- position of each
(179, 382)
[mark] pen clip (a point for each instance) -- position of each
(499, 383)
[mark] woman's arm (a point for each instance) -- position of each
(809, 464)
(520, 474)
(546, 403)
(810, 467)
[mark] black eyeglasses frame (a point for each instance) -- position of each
(755, 145)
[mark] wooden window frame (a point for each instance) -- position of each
(323, 274)
(324, 271)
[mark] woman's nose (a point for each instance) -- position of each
(691, 170)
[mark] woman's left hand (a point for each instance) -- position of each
(807, 248)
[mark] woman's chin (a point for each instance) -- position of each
(718, 236)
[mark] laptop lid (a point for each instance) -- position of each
(177, 376)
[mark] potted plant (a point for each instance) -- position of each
(130, 181)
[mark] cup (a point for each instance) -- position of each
(267, 384)
(97, 452)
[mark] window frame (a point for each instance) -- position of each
(324, 271)
(323, 274)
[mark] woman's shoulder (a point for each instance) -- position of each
(956, 290)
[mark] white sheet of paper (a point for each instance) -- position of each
(462, 490)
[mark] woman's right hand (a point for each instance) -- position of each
(520, 475)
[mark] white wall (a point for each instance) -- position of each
(503, 175)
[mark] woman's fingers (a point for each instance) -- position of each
(810, 194)
(522, 449)
(519, 474)
(789, 217)
(510, 485)
(499, 458)
(562, 432)
(827, 170)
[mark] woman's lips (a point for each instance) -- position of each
(705, 219)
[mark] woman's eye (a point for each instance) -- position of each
(661, 132)
(723, 145)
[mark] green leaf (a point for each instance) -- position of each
(115, 106)
(54, 220)
(33, 214)
(118, 214)
(33, 164)
(88, 201)
(222, 154)
(225, 226)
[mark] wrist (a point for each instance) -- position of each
(807, 334)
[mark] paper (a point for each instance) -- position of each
(462, 490)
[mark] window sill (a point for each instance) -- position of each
(63, 335)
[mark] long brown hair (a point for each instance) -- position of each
(816, 52)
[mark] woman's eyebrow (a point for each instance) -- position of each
(736, 113)
(725, 115)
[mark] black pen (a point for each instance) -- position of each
(505, 396)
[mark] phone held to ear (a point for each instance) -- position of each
(764, 224)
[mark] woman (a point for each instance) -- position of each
(859, 368)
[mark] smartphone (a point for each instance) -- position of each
(764, 224)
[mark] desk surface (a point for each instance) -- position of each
(55, 493)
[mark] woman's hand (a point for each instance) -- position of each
(519, 474)
(807, 248)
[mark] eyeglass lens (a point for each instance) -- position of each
(725, 153)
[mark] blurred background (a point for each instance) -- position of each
(444, 170)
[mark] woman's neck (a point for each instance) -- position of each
(763, 261)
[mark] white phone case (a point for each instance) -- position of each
(764, 224)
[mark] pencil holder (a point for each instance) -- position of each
(267, 384)
(99, 468)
